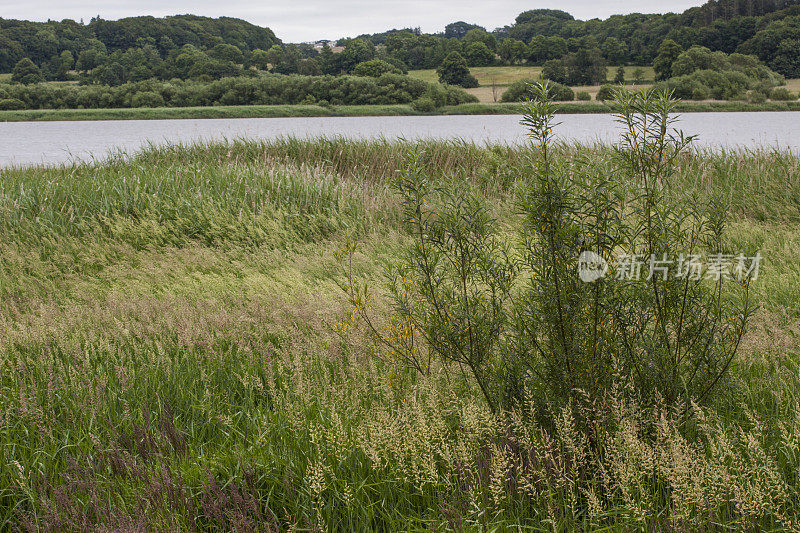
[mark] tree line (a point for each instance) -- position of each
(769, 29)
(271, 89)
(571, 51)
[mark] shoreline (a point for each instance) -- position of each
(300, 111)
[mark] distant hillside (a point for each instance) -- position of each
(769, 29)
(43, 42)
(193, 47)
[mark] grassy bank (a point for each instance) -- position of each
(247, 111)
(268, 111)
(175, 354)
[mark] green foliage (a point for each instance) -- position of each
(272, 89)
(457, 30)
(357, 51)
(619, 77)
(555, 70)
(525, 89)
(756, 97)
(26, 72)
(544, 48)
(375, 68)
(583, 96)
(776, 43)
(512, 51)
(147, 99)
(585, 67)
(521, 321)
(698, 58)
(10, 104)
(700, 73)
(423, 104)
(398, 64)
(770, 30)
(782, 94)
(606, 92)
(615, 51)
(451, 286)
(227, 52)
(480, 35)
(454, 71)
(668, 52)
(477, 54)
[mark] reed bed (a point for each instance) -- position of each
(175, 355)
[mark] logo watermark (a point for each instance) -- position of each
(740, 267)
(591, 266)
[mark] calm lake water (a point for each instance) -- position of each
(25, 143)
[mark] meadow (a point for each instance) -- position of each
(492, 81)
(507, 75)
(179, 353)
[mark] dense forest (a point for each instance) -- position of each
(574, 52)
(157, 47)
(769, 29)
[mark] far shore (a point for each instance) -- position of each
(289, 111)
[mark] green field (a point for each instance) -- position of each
(508, 75)
(177, 352)
(793, 85)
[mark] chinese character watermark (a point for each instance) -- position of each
(717, 266)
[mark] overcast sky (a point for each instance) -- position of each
(296, 21)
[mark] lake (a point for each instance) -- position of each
(26, 143)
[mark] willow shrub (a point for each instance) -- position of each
(514, 315)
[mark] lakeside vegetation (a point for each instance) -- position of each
(278, 111)
(180, 350)
(268, 90)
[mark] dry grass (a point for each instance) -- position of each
(793, 85)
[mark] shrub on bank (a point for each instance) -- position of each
(423, 105)
(522, 90)
(756, 97)
(11, 104)
(701, 74)
(272, 89)
(782, 94)
(606, 92)
(147, 99)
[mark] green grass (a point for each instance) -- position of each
(793, 85)
(509, 74)
(176, 353)
(250, 111)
